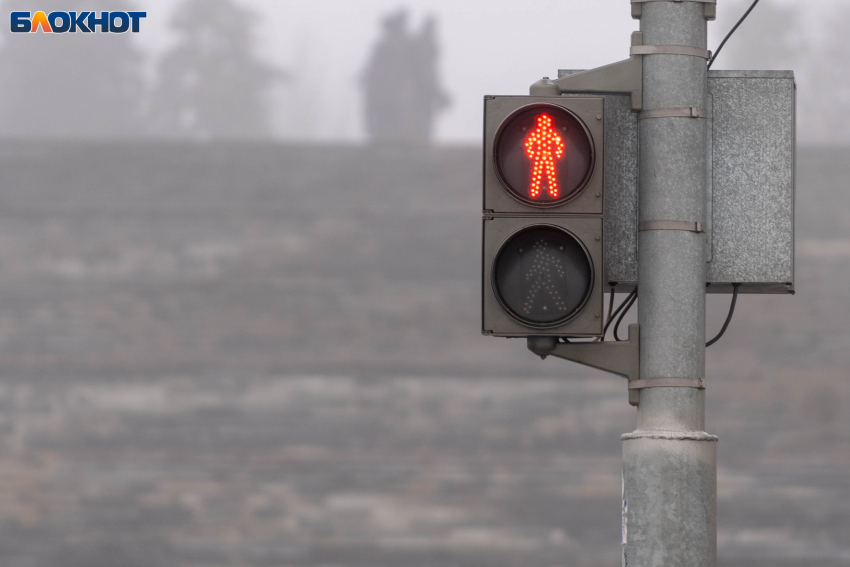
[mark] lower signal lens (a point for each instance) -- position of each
(543, 276)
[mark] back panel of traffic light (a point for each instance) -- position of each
(749, 228)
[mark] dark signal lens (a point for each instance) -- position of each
(543, 155)
(543, 276)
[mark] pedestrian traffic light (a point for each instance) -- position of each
(543, 210)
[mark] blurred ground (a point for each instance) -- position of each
(264, 355)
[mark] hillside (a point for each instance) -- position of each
(270, 355)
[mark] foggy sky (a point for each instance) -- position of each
(487, 47)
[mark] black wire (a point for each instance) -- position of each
(728, 317)
(616, 312)
(611, 303)
(612, 316)
(610, 309)
(725, 39)
(633, 298)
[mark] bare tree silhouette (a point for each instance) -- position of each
(70, 85)
(211, 85)
(402, 95)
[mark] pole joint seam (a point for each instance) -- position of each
(709, 7)
(670, 50)
(692, 112)
(698, 383)
(671, 225)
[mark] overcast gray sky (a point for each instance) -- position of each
(488, 47)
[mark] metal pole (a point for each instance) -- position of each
(669, 462)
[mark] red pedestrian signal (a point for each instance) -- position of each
(544, 146)
(544, 155)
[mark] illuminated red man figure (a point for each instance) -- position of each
(544, 146)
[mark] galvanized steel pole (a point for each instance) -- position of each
(670, 465)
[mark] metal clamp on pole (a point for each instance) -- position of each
(697, 383)
(710, 7)
(691, 112)
(670, 50)
(635, 386)
(671, 225)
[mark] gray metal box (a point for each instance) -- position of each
(751, 182)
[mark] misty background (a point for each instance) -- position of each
(296, 70)
(240, 298)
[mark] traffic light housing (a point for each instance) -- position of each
(542, 268)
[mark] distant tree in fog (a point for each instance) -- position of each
(211, 85)
(70, 85)
(402, 94)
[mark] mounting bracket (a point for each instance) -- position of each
(622, 77)
(620, 358)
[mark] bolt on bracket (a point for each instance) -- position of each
(622, 77)
(620, 358)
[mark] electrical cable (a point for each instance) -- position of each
(611, 303)
(728, 317)
(632, 299)
(616, 312)
(725, 39)
(610, 310)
